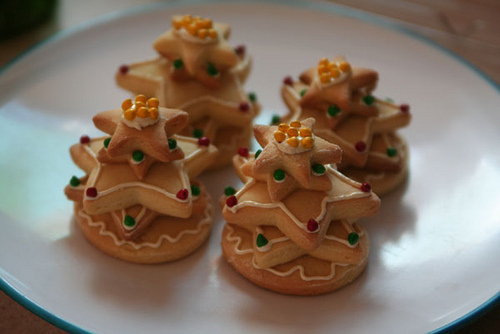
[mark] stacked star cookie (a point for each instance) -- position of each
(291, 228)
(340, 98)
(139, 199)
(199, 72)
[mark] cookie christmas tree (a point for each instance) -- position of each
(291, 227)
(340, 98)
(199, 72)
(139, 199)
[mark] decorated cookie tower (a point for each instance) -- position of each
(340, 98)
(291, 227)
(199, 72)
(139, 199)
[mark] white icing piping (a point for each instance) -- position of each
(300, 268)
(206, 220)
(231, 238)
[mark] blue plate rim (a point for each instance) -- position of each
(316, 6)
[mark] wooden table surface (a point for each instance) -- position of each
(470, 28)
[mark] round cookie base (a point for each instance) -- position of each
(292, 284)
(381, 183)
(98, 234)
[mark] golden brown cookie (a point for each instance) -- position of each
(198, 72)
(137, 200)
(290, 227)
(340, 98)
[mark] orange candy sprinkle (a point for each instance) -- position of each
(142, 112)
(305, 132)
(127, 104)
(325, 77)
(196, 26)
(345, 66)
(139, 108)
(202, 33)
(129, 114)
(279, 136)
(153, 102)
(329, 70)
(177, 24)
(154, 113)
(283, 127)
(335, 73)
(140, 98)
(307, 142)
(293, 141)
(292, 132)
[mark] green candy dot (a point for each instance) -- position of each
(138, 156)
(257, 154)
(392, 152)
(368, 100)
(197, 133)
(229, 191)
(195, 190)
(279, 174)
(106, 142)
(172, 143)
(178, 63)
(261, 240)
(252, 96)
(388, 99)
(333, 110)
(212, 70)
(129, 221)
(275, 120)
(319, 169)
(353, 238)
(303, 92)
(74, 182)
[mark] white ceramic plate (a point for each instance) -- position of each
(435, 244)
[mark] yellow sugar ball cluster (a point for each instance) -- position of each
(141, 107)
(294, 134)
(195, 26)
(329, 70)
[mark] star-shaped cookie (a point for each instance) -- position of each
(346, 113)
(295, 165)
(201, 57)
(141, 146)
(304, 215)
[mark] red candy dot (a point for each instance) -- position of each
(404, 108)
(360, 146)
(84, 139)
(312, 225)
(288, 81)
(182, 194)
(244, 106)
(366, 187)
(204, 141)
(243, 151)
(231, 201)
(91, 192)
(240, 50)
(124, 69)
